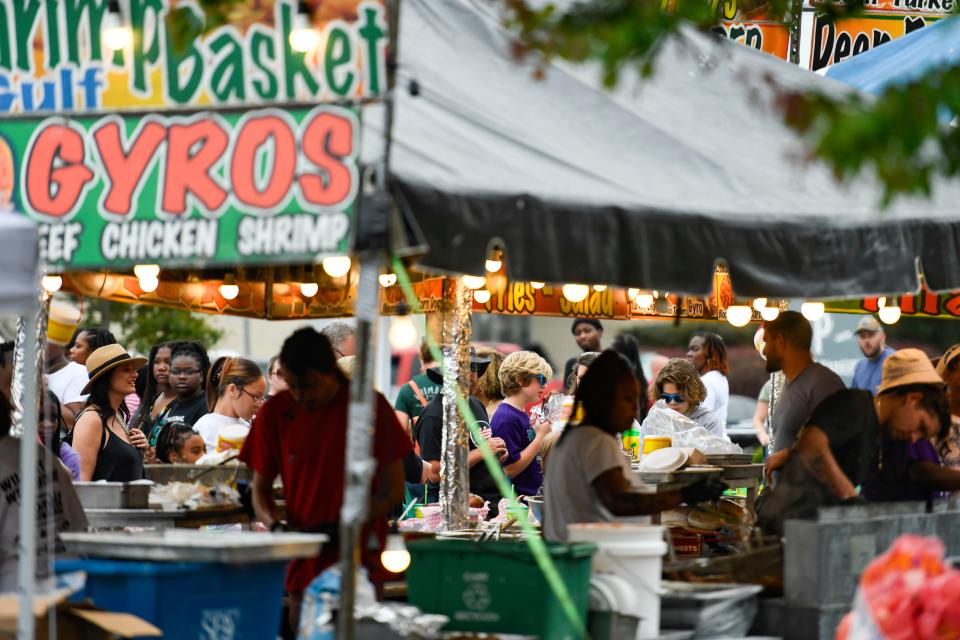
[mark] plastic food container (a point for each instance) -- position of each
(652, 443)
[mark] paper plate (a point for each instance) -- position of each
(664, 460)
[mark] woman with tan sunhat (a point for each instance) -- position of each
(108, 449)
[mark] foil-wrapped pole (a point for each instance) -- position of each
(23, 350)
(777, 382)
(454, 468)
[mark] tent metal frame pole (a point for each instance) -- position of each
(27, 547)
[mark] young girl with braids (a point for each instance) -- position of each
(179, 444)
(236, 389)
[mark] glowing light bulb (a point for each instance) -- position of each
(482, 296)
(304, 38)
(493, 265)
(114, 35)
(337, 266)
(769, 313)
(537, 285)
(644, 300)
(395, 557)
(387, 279)
(889, 315)
(149, 284)
(575, 292)
(739, 315)
(147, 271)
(759, 304)
(309, 289)
(229, 291)
(599, 287)
(402, 334)
(633, 293)
(51, 284)
(812, 311)
(474, 282)
(881, 302)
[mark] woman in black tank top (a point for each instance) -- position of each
(108, 449)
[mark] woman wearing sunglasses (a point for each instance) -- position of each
(523, 376)
(235, 390)
(678, 384)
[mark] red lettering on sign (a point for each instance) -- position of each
(327, 142)
(931, 302)
(951, 305)
(254, 134)
(125, 170)
(56, 174)
(188, 171)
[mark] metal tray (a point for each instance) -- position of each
(113, 495)
(209, 475)
(185, 545)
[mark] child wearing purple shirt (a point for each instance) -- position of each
(523, 376)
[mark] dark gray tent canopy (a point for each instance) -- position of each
(648, 186)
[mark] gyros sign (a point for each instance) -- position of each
(257, 186)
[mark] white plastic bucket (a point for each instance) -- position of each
(635, 553)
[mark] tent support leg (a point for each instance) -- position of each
(454, 468)
(360, 465)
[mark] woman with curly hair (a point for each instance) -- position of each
(708, 354)
(679, 385)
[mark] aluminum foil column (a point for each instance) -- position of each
(27, 547)
(454, 470)
(360, 464)
(25, 349)
(777, 382)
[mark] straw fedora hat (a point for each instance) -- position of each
(908, 367)
(108, 358)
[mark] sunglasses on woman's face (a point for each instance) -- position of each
(672, 397)
(542, 379)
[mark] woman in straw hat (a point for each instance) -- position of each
(108, 449)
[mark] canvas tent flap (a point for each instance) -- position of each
(18, 263)
(647, 186)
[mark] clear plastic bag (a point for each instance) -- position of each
(684, 432)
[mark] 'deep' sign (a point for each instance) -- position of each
(257, 187)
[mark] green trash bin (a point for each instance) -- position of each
(497, 587)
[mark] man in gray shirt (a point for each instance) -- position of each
(788, 340)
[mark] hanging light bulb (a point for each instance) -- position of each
(114, 35)
(889, 315)
(812, 311)
(147, 271)
(387, 279)
(575, 292)
(304, 38)
(337, 266)
(474, 282)
(739, 315)
(228, 288)
(309, 289)
(149, 284)
(51, 284)
(482, 296)
(599, 287)
(632, 293)
(881, 302)
(395, 557)
(644, 300)
(402, 334)
(537, 285)
(493, 266)
(769, 313)
(759, 304)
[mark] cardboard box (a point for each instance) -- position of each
(74, 621)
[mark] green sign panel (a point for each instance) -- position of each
(200, 189)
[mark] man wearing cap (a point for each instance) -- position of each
(65, 379)
(429, 432)
(587, 332)
(949, 369)
(882, 443)
(873, 345)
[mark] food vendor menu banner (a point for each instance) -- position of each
(882, 21)
(753, 27)
(52, 57)
(193, 189)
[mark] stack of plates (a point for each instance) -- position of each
(663, 460)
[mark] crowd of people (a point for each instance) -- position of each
(895, 435)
